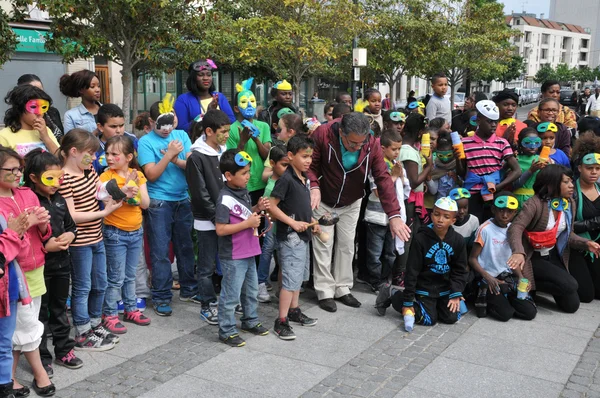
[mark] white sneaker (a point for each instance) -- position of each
(263, 293)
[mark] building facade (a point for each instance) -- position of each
(585, 13)
(545, 42)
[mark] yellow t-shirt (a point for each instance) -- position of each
(127, 217)
(24, 141)
(35, 282)
(205, 103)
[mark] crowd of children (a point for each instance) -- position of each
(489, 214)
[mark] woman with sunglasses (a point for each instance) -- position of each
(530, 163)
(564, 114)
(583, 266)
(201, 95)
(542, 235)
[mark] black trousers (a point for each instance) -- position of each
(479, 209)
(586, 272)
(504, 307)
(552, 277)
(428, 310)
(53, 313)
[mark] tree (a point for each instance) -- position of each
(546, 72)
(8, 38)
(291, 38)
(583, 74)
(400, 39)
(132, 33)
(475, 37)
(564, 74)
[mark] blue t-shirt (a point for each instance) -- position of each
(349, 159)
(13, 282)
(171, 185)
(560, 157)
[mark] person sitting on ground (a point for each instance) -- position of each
(498, 283)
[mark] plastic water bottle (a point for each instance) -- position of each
(409, 320)
(522, 292)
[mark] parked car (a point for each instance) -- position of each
(537, 94)
(565, 97)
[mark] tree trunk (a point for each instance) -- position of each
(134, 88)
(126, 81)
(297, 82)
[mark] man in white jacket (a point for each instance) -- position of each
(593, 105)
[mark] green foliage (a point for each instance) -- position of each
(563, 73)
(546, 72)
(138, 34)
(8, 39)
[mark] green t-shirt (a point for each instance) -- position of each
(269, 188)
(257, 165)
(36, 283)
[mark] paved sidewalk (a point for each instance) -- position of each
(353, 352)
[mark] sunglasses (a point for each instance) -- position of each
(242, 159)
(506, 202)
(459, 193)
(591, 158)
(547, 126)
(531, 142)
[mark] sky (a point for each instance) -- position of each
(531, 6)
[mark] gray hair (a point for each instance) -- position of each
(355, 122)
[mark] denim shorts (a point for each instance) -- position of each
(294, 259)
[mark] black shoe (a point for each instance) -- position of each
(233, 341)
(47, 391)
(383, 300)
(70, 361)
(328, 305)
(283, 330)
(349, 300)
(258, 330)
(49, 370)
(21, 392)
(6, 390)
(296, 315)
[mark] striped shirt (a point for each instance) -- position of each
(82, 189)
(486, 157)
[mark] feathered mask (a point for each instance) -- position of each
(165, 122)
(246, 100)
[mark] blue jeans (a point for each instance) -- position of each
(380, 253)
(264, 264)
(7, 328)
(122, 256)
(239, 276)
(88, 285)
(207, 258)
(168, 221)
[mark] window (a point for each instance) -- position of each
(583, 56)
(544, 53)
(584, 43)
(527, 37)
(517, 39)
(545, 38)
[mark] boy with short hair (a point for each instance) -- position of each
(439, 105)
(436, 272)
(111, 122)
(466, 224)
(380, 245)
(205, 182)
(236, 221)
(290, 206)
(498, 284)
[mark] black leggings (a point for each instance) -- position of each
(585, 271)
(428, 311)
(479, 209)
(504, 307)
(552, 277)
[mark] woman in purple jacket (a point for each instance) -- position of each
(201, 95)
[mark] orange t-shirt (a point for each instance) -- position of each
(127, 217)
(500, 130)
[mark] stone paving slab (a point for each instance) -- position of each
(189, 386)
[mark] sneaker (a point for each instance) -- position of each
(258, 330)
(114, 325)
(90, 341)
(120, 306)
(136, 317)
(383, 300)
(70, 361)
(163, 309)
(193, 299)
(209, 314)
(140, 303)
(101, 331)
(263, 293)
(284, 330)
(239, 310)
(48, 368)
(296, 315)
(233, 341)
(269, 286)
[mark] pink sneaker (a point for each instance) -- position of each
(136, 317)
(114, 325)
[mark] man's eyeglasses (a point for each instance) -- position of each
(354, 145)
(14, 170)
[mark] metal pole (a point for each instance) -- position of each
(354, 82)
